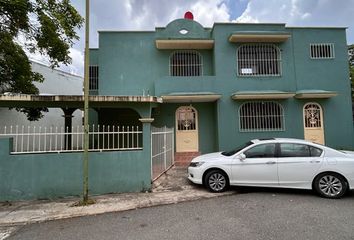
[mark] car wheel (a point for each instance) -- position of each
(216, 181)
(330, 185)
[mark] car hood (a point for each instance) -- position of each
(208, 157)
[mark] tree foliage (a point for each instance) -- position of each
(351, 67)
(48, 27)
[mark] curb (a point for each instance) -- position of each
(104, 204)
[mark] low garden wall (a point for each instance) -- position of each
(59, 175)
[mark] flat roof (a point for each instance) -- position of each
(228, 23)
(26, 100)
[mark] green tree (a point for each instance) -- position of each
(351, 67)
(49, 27)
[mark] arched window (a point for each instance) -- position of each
(312, 115)
(186, 119)
(258, 60)
(186, 63)
(261, 116)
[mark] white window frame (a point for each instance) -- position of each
(271, 119)
(195, 63)
(322, 53)
(264, 61)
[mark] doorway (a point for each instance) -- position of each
(187, 129)
(313, 123)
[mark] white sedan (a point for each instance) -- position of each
(277, 162)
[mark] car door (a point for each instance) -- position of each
(298, 164)
(258, 168)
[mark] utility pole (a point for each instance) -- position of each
(86, 106)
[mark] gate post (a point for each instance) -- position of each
(68, 115)
(147, 139)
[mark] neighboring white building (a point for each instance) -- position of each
(56, 82)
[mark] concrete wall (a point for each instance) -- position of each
(130, 64)
(164, 115)
(49, 176)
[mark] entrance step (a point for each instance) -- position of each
(183, 159)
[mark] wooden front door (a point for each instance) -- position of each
(186, 129)
(313, 123)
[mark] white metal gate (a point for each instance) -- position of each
(162, 150)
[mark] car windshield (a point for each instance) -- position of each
(232, 152)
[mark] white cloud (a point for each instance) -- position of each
(147, 14)
(247, 16)
(208, 12)
(141, 15)
(302, 13)
(77, 65)
(306, 15)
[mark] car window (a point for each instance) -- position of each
(232, 152)
(261, 151)
(315, 152)
(294, 150)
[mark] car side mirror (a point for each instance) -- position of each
(242, 157)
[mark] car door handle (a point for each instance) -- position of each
(315, 161)
(270, 162)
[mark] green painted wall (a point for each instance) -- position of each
(126, 57)
(194, 30)
(50, 176)
(130, 64)
(327, 74)
(94, 53)
(164, 115)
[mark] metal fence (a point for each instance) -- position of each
(59, 139)
(162, 150)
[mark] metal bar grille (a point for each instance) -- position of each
(261, 116)
(186, 119)
(55, 139)
(312, 115)
(93, 77)
(322, 50)
(258, 60)
(162, 150)
(186, 63)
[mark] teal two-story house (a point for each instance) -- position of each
(224, 85)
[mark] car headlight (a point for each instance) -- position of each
(196, 164)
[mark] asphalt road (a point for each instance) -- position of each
(252, 214)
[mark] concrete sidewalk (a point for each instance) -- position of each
(172, 187)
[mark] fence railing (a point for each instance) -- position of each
(59, 139)
(162, 150)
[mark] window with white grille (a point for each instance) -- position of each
(261, 116)
(186, 119)
(93, 77)
(258, 60)
(312, 115)
(186, 63)
(322, 50)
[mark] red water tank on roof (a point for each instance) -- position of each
(188, 15)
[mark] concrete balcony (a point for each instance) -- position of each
(167, 85)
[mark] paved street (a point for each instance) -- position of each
(252, 214)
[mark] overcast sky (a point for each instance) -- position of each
(148, 14)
